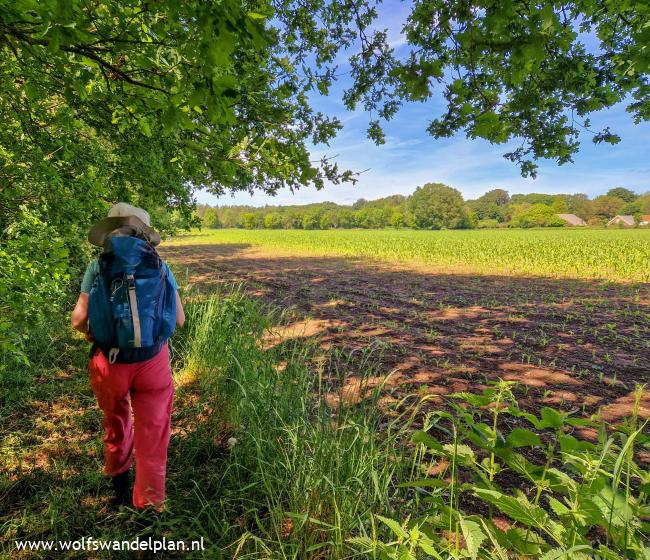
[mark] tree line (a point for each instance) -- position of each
(434, 206)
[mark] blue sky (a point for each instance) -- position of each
(410, 157)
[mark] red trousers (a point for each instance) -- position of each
(147, 389)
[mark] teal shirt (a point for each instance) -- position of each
(93, 268)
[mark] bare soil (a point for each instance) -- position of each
(575, 344)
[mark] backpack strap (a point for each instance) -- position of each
(135, 314)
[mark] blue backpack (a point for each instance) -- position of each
(132, 304)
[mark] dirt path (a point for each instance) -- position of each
(575, 344)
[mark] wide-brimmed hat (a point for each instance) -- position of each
(121, 215)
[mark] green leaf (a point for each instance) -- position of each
(463, 453)
(518, 509)
(472, 398)
(521, 437)
(525, 541)
(143, 125)
(426, 440)
(558, 507)
(569, 444)
(394, 526)
(614, 507)
(473, 536)
(551, 418)
(487, 125)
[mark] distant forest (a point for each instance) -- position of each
(435, 206)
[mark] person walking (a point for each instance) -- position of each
(128, 308)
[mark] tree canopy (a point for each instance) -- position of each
(143, 102)
(506, 70)
(436, 206)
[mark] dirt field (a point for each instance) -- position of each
(579, 345)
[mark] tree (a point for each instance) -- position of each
(436, 206)
(624, 194)
(491, 205)
(250, 220)
(292, 219)
(397, 218)
(606, 207)
(145, 102)
(228, 217)
(210, 218)
(311, 220)
(273, 220)
(507, 70)
(535, 215)
(346, 218)
(559, 205)
(644, 203)
(142, 102)
(579, 204)
(499, 197)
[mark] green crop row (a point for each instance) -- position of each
(620, 255)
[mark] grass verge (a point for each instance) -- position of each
(260, 466)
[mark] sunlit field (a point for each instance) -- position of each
(617, 255)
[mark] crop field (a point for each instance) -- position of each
(617, 255)
(578, 342)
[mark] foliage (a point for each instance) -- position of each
(249, 220)
(273, 220)
(210, 219)
(193, 84)
(537, 215)
(437, 206)
(33, 275)
(492, 209)
(295, 482)
(302, 475)
(507, 70)
(624, 194)
(606, 206)
(487, 224)
(547, 493)
(141, 102)
(491, 206)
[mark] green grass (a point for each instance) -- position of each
(616, 255)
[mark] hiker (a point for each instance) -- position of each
(128, 308)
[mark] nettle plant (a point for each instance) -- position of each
(504, 483)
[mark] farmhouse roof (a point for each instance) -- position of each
(573, 220)
(645, 219)
(625, 219)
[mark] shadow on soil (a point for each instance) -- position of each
(571, 343)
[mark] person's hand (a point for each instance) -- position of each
(89, 336)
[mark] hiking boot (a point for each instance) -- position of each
(122, 488)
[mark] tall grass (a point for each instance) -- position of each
(302, 477)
